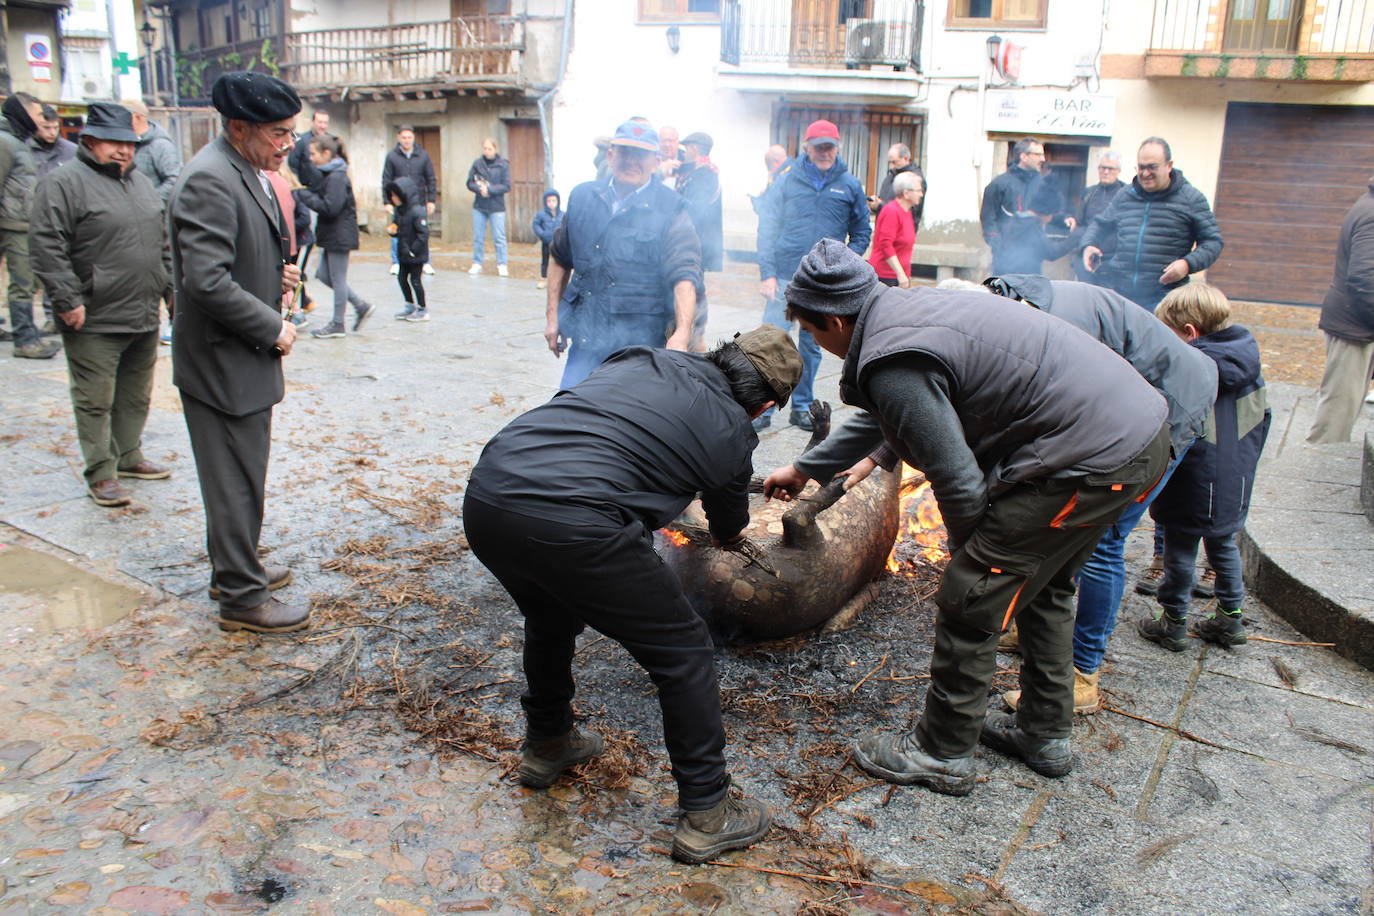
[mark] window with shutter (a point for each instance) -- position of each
(987, 14)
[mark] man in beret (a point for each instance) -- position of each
(229, 262)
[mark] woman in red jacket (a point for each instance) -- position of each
(894, 235)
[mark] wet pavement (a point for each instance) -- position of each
(151, 764)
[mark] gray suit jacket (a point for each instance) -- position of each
(226, 266)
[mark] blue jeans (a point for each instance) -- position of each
(775, 313)
(480, 220)
(1180, 566)
(394, 259)
(582, 357)
(1102, 582)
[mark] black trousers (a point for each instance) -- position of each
(411, 279)
(543, 259)
(1020, 563)
(231, 461)
(611, 580)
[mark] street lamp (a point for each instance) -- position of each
(149, 34)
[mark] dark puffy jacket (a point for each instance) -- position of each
(50, 156)
(497, 174)
(546, 223)
(1209, 494)
(1153, 229)
(337, 227)
(797, 213)
(699, 185)
(412, 222)
(18, 172)
(1348, 309)
(417, 166)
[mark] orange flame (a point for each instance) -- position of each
(676, 538)
(921, 534)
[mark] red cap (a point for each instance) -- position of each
(822, 130)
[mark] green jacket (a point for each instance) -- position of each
(98, 239)
(17, 176)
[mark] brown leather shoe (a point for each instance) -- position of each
(109, 493)
(272, 616)
(277, 577)
(146, 470)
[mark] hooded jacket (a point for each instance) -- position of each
(496, 172)
(801, 207)
(1209, 494)
(412, 222)
(418, 167)
(1348, 309)
(1152, 230)
(158, 158)
(18, 172)
(337, 226)
(545, 224)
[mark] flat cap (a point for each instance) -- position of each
(775, 357)
(701, 140)
(831, 279)
(255, 97)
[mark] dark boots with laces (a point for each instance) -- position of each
(731, 823)
(543, 761)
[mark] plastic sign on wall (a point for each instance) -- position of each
(1009, 60)
(38, 53)
(1049, 111)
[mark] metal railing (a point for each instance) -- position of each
(1259, 26)
(815, 34)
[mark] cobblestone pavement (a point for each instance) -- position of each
(151, 764)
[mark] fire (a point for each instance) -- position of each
(921, 534)
(676, 538)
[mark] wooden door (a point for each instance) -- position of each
(818, 30)
(430, 140)
(525, 150)
(1288, 175)
(1263, 25)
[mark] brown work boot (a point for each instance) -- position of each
(39, 349)
(732, 823)
(1148, 583)
(277, 577)
(272, 616)
(1087, 699)
(1010, 641)
(543, 761)
(108, 493)
(146, 470)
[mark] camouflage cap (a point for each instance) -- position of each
(775, 357)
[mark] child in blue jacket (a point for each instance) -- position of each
(546, 223)
(1208, 497)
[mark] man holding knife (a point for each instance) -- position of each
(230, 247)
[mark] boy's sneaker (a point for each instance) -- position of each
(1224, 629)
(419, 315)
(543, 761)
(362, 315)
(1148, 583)
(732, 823)
(299, 320)
(166, 338)
(395, 269)
(1206, 585)
(501, 271)
(428, 269)
(406, 312)
(1046, 756)
(1169, 632)
(333, 329)
(475, 269)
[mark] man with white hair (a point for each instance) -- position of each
(1092, 201)
(156, 154)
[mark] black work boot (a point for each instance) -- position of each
(1169, 632)
(1224, 629)
(1046, 756)
(901, 759)
(543, 761)
(732, 823)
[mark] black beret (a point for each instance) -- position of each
(255, 97)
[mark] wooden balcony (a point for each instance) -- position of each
(1261, 39)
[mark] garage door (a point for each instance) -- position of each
(1288, 175)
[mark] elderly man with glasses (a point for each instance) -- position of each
(1162, 227)
(1092, 203)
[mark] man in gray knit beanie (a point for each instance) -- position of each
(831, 279)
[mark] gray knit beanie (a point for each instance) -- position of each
(832, 280)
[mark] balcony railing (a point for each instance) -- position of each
(808, 34)
(1252, 27)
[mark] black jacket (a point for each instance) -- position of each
(299, 160)
(417, 166)
(1004, 200)
(1348, 309)
(886, 194)
(497, 174)
(1209, 494)
(631, 445)
(700, 187)
(337, 227)
(412, 223)
(1152, 229)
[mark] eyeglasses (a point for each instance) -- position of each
(1149, 166)
(279, 135)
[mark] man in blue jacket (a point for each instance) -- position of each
(814, 197)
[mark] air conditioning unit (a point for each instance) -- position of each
(879, 41)
(92, 89)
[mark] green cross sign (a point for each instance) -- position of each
(124, 63)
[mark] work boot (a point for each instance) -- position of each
(1010, 641)
(272, 616)
(1046, 756)
(1148, 583)
(277, 577)
(732, 823)
(544, 760)
(1086, 697)
(1206, 584)
(1223, 628)
(39, 349)
(109, 493)
(900, 759)
(800, 419)
(146, 470)
(1169, 632)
